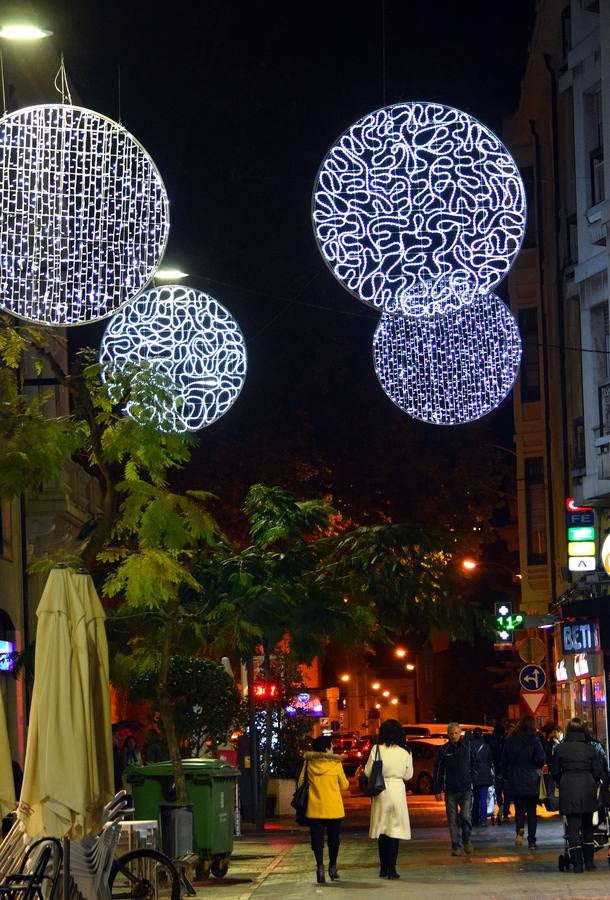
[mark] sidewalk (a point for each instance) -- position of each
(279, 864)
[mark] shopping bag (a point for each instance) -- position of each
(300, 799)
(551, 801)
(375, 783)
(542, 790)
(491, 800)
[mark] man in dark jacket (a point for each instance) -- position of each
(522, 761)
(453, 774)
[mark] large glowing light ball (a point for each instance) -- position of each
(417, 208)
(191, 341)
(452, 368)
(84, 215)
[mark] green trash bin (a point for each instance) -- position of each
(210, 785)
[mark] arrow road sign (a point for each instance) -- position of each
(532, 678)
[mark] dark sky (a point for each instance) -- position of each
(237, 103)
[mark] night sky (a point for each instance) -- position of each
(237, 104)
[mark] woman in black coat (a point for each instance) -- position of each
(577, 767)
(522, 760)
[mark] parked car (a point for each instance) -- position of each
(356, 755)
(439, 729)
(424, 752)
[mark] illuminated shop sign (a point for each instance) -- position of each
(579, 636)
(581, 666)
(561, 673)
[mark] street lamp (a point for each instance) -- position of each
(375, 686)
(400, 652)
(344, 677)
(410, 667)
(469, 565)
(23, 31)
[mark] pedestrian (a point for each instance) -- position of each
(522, 762)
(325, 809)
(482, 778)
(130, 755)
(496, 745)
(453, 774)
(389, 812)
(577, 768)
(552, 737)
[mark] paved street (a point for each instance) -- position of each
(279, 864)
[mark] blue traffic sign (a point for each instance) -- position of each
(575, 519)
(532, 677)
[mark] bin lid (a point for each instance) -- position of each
(211, 767)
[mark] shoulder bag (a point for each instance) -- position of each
(300, 799)
(375, 783)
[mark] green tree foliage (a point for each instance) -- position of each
(207, 706)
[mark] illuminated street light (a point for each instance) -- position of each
(400, 652)
(169, 274)
(409, 667)
(23, 31)
(345, 677)
(385, 693)
(469, 564)
(394, 701)
(375, 685)
(378, 706)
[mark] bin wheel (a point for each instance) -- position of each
(144, 875)
(220, 867)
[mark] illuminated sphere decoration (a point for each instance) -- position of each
(192, 342)
(84, 215)
(417, 208)
(452, 368)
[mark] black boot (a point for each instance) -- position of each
(392, 857)
(332, 872)
(587, 851)
(576, 858)
(320, 875)
(382, 847)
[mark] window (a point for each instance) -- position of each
(535, 503)
(595, 144)
(530, 361)
(566, 31)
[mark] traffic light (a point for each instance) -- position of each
(506, 623)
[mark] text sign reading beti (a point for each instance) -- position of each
(579, 635)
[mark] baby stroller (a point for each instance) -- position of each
(601, 838)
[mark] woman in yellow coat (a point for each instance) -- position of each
(324, 803)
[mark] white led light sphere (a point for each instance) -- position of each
(417, 208)
(449, 369)
(84, 215)
(192, 342)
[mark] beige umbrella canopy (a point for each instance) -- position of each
(67, 775)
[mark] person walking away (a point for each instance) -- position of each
(389, 812)
(496, 745)
(453, 774)
(577, 768)
(482, 778)
(325, 809)
(522, 762)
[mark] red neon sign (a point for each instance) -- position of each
(264, 691)
(572, 507)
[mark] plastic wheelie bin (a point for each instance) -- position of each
(210, 785)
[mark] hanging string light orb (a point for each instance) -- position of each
(191, 345)
(84, 215)
(452, 368)
(417, 208)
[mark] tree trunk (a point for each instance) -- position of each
(166, 708)
(253, 742)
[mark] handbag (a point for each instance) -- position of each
(300, 799)
(375, 782)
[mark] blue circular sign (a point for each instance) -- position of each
(532, 678)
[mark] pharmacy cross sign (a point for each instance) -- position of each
(532, 677)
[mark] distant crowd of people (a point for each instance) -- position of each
(479, 779)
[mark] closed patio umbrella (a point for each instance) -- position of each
(65, 778)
